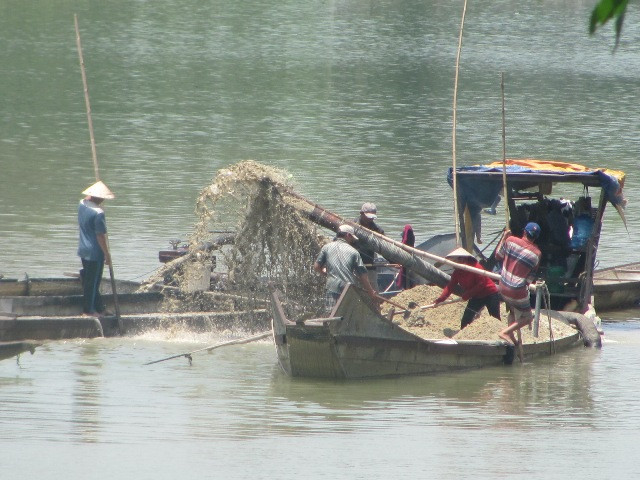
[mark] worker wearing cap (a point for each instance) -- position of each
(368, 213)
(520, 259)
(342, 265)
(93, 249)
(477, 288)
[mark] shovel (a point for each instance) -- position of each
(412, 307)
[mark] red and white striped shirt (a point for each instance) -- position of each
(520, 258)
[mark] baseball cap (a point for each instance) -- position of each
(369, 209)
(348, 229)
(533, 229)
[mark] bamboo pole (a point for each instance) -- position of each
(377, 241)
(453, 135)
(94, 156)
(393, 250)
(94, 153)
(504, 191)
(504, 157)
(239, 341)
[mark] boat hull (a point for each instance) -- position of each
(344, 347)
(71, 285)
(42, 313)
(616, 287)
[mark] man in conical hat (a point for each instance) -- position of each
(477, 288)
(93, 248)
(99, 190)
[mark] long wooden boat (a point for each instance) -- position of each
(617, 287)
(46, 286)
(355, 341)
(51, 309)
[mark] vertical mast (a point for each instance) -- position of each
(455, 101)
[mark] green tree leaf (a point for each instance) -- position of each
(604, 11)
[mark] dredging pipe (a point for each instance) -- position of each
(392, 250)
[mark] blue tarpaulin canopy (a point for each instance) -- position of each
(479, 185)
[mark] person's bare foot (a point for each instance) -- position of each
(506, 338)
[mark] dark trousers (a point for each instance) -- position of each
(492, 302)
(91, 277)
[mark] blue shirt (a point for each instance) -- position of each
(92, 222)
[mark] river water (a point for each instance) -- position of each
(354, 99)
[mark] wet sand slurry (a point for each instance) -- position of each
(443, 321)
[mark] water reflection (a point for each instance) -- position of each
(86, 408)
(548, 391)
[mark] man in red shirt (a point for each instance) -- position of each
(520, 259)
(478, 289)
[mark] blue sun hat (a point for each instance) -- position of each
(533, 230)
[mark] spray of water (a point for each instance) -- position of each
(272, 244)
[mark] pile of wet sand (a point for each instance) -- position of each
(443, 321)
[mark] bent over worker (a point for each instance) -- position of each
(478, 289)
(342, 264)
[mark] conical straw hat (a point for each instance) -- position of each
(100, 190)
(459, 253)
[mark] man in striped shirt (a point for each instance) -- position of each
(520, 259)
(341, 263)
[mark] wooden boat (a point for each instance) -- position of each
(357, 342)
(44, 286)
(51, 309)
(617, 287)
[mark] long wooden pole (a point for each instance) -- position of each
(453, 135)
(239, 341)
(327, 219)
(504, 191)
(504, 157)
(94, 155)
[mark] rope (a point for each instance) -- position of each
(497, 235)
(546, 296)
